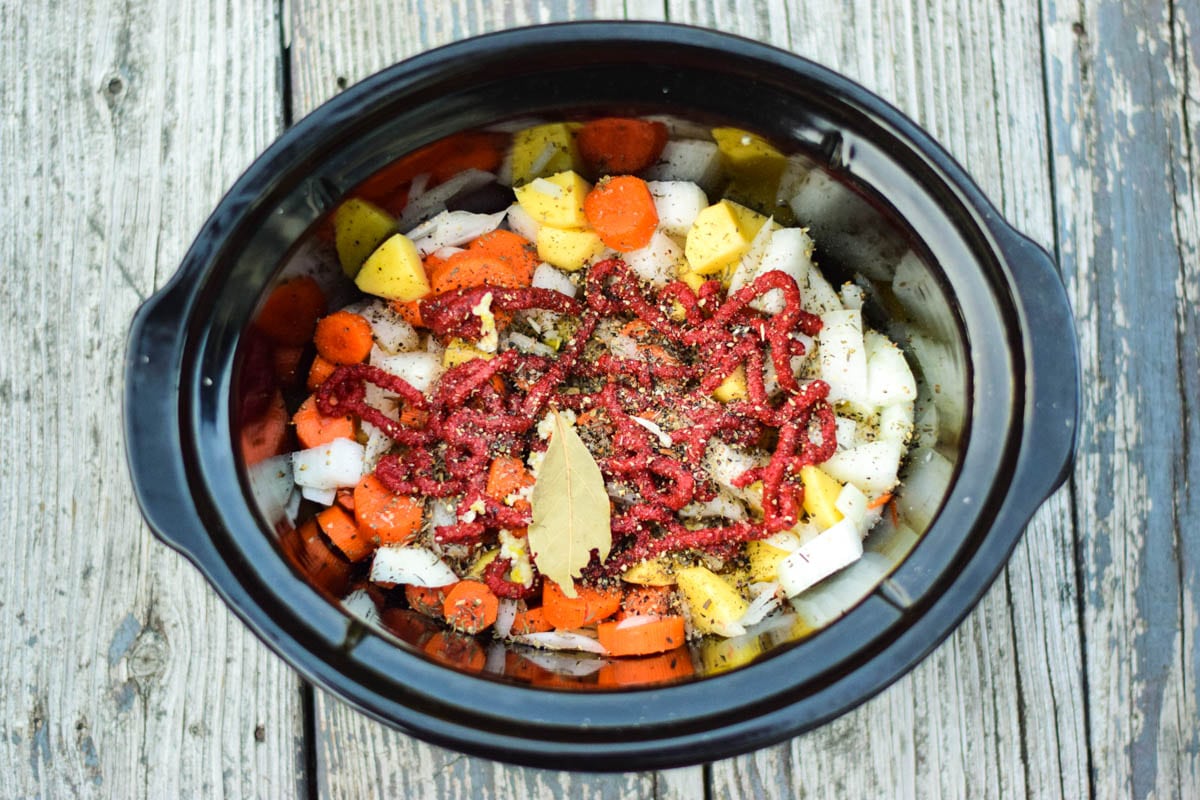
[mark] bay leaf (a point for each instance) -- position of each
(570, 509)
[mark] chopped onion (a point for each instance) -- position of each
(766, 600)
(664, 438)
(453, 229)
(926, 480)
(724, 505)
(412, 565)
(329, 466)
(419, 184)
(871, 466)
(434, 200)
(393, 334)
(562, 664)
(271, 483)
(692, 160)
(520, 223)
(836, 548)
(656, 263)
(420, 369)
(505, 616)
(677, 203)
(562, 640)
(843, 355)
(325, 497)
(543, 158)
(889, 378)
(361, 605)
(635, 620)
(442, 512)
(554, 279)
(853, 505)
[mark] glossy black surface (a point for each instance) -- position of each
(1010, 320)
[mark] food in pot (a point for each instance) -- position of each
(594, 393)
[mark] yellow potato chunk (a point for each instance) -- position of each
(717, 238)
(749, 155)
(721, 655)
(556, 201)
(764, 560)
(713, 602)
(544, 150)
(694, 280)
(460, 351)
(733, 387)
(358, 228)
(820, 493)
(653, 572)
(567, 248)
(394, 271)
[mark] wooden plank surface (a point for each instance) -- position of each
(123, 674)
(1123, 121)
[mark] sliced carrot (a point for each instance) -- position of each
(318, 372)
(513, 250)
(456, 650)
(410, 312)
(287, 360)
(427, 600)
(483, 150)
(635, 329)
(412, 416)
(312, 555)
(338, 525)
(265, 436)
(290, 314)
(411, 626)
(646, 601)
(314, 428)
(344, 337)
(646, 638)
(662, 668)
(384, 516)
(882, 500)
(471, 268)
(621, 211)
(617, 145)
(508, 476)
(530, 620)
(471, 607)
(591, 605)
(345, 499)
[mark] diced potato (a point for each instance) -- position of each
(694, 280)
(394, 271)
(566, 248)
(358, 228)
(721, 655)
(557, 200)
(460, 351)
(716, 239)
(543, 150)
(820, 496)
(764, 560)
(750, 220)
(652, 572)
(748, 155)
(733, 387)
(715, 605)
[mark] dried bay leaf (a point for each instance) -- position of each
(570, 509)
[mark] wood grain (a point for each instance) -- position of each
(1122, 118)
(123, 674)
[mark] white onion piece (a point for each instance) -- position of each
(329, 466)
(497, 658)
(377, 445)
(554, 279)
(853, 505)
(562, 664)
(393, 334)
(678, 203)
(852, 296)
(834, 597)
(360, 604)
(663, 437)
(889, 378)
(692, 160)
(292, 509)
(420, 369)
(896, 421)
(747, 268)
(836, 548)
(846, 432)
(842, 355)
(543, 158)
(726, 462)
(657, 262)
(411, 565)
(818, 297)
(526, 344)
(789, 251)
(271, 483)
(783, 540)
(724, 505)
(562, 640)
(765, 601)
(728, 629)
(434, 200)
(623, 346)
(325, 497)
(453, 229)
(419, 184)
(871, 466)
(442, 512)
(521, 223)
(926, 480)
(505, 616)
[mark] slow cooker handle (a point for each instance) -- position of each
(152, 430)
(1052, 408)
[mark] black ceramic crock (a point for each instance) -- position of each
(1008, 317)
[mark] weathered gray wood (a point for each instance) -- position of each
(997, 708)
(123, 673)
(1122, 101)
(331, 48)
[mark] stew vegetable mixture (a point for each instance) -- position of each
(594, 394)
